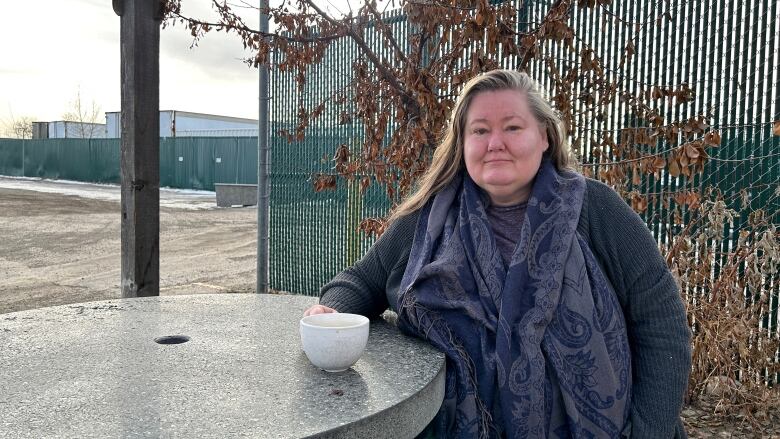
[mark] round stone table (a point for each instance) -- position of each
(95, 370)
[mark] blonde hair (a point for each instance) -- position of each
(447, 159)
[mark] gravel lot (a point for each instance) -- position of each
(59, 244)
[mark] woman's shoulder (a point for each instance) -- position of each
(604, 211)
(403, 226)
(396, 241)
(597, 190)
(601, 200)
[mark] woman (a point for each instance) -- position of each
(547, 293)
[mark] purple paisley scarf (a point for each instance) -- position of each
(535, 349)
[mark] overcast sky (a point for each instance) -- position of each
(51, 49)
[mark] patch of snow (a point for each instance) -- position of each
(187, 199)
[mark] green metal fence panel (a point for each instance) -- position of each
(185, 162)
(168, 162)
(226, 162)
(12, 157)
(192, 167)
(95, 160)
(246, 160)
(103, 161)
(235, 160)
(71, 163)
(42, 159)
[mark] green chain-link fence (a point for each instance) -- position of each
(726, 53)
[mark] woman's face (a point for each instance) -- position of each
(503, 145)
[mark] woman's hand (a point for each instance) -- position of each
(318, 309)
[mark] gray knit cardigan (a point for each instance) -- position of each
(655, 314)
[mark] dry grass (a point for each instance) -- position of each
(731, 294)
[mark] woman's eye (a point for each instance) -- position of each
(479, 131)
(513, 128)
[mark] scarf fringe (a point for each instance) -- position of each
(426, 320)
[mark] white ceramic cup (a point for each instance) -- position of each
(334, 341)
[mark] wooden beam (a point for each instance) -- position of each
(140, 157)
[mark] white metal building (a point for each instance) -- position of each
(175, 123)
(61, 129)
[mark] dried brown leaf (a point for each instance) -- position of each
(674, 168)
(637, 177)
(712, 138)
(691, 151)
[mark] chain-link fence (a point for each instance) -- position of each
(725, 53)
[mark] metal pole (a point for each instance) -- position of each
(263, 166)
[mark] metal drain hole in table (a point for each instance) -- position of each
(172, 339)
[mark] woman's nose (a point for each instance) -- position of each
(495, 142)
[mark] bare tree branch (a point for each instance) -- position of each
(367, 51)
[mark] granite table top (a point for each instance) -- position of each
(96, 370)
